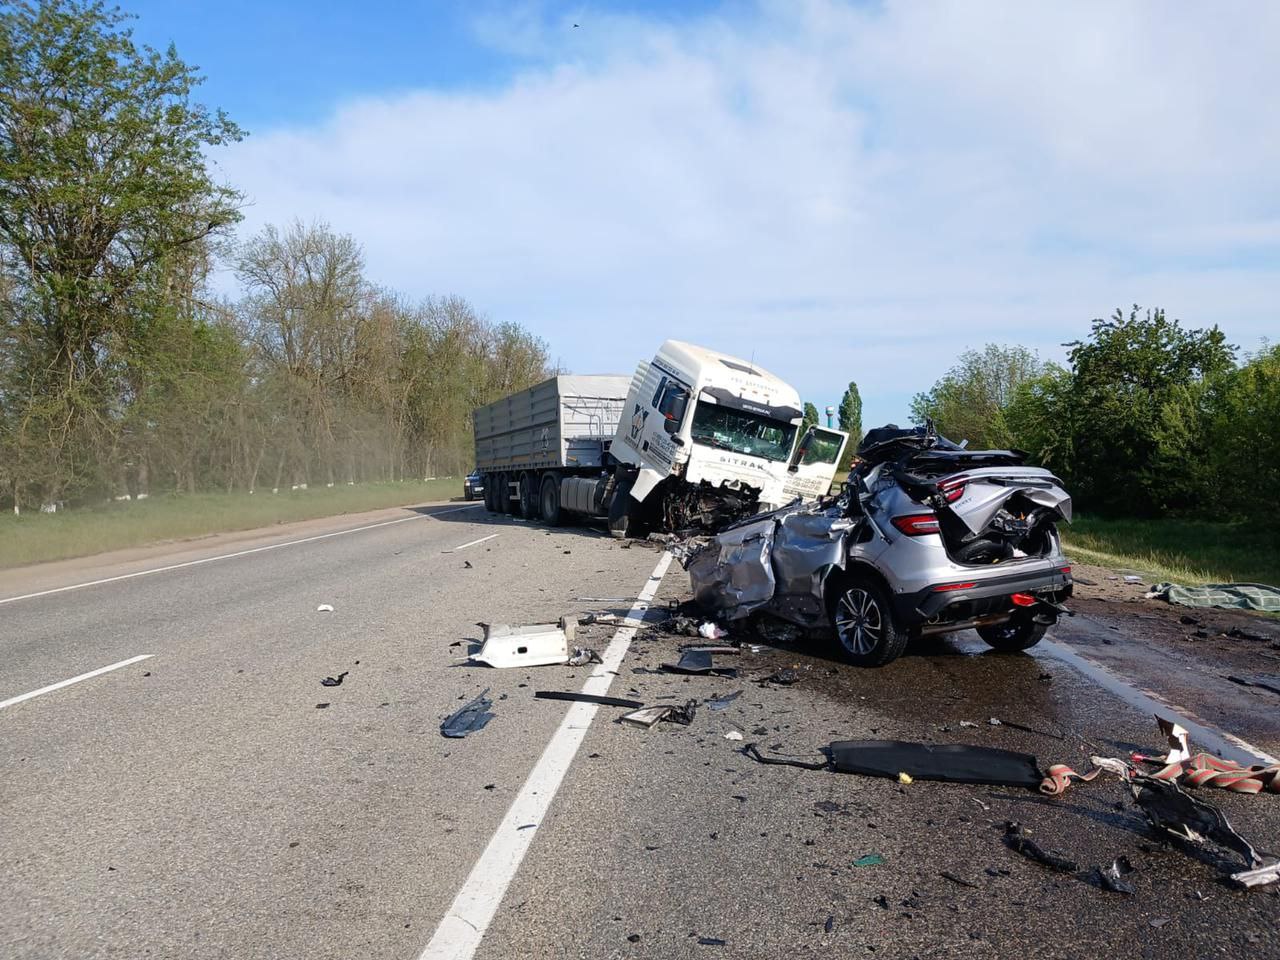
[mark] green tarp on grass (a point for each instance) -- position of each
(1241, 596)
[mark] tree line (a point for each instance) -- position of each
(122, 371)
(1148, 417)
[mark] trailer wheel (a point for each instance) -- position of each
(528, 506)
(502, 495)
(550, 499)
(488, 493)
(1020, 633)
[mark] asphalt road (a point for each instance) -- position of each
(200, 803)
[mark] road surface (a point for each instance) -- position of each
(215, 800)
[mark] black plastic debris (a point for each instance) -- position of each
(469, 718)
(948, 762)
(1017, 839)
(1112, 877)
(698, 662)
(752, 751)
(334, 681)
(587, 698)
(723, 703)
(711, 942)
(581, 656)
(948, 875)
(781, 678)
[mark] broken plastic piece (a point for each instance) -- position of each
(950, 762)
(586, 698)
(648, 716)
(904, 778)
(590, 618)
(469, 718)
(532, 646)
(1258, 877)
(722, 703)
(870, 860)
(333, 681)
(1174, 812)
(325, 608)
(782, 678)
(698, 662)
(752, 751)
(711, 942)
(582, 656)
(733, 735)
(1016, 838)
(1112, 877)
(712, 631)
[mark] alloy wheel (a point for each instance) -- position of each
(859, 622)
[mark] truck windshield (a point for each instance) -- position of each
(742, 432)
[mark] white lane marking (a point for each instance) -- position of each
(66, 683)
(463, 926)
(1224, 744)
(230, 556)
(471, 543)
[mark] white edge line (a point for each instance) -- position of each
(468, 917)
(1226, 745)
(230, 556)
(471, 543)
(66, 683)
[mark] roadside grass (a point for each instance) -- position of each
(38, 537)
(1183, 551)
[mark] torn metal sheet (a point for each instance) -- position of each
(538, 645)
(671, 712)
(949, 762)
(469, 718)
(723, 703)
(732, 574)
(699, 662)
(581, 656)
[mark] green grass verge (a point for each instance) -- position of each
(1184, 551)
(37, 537)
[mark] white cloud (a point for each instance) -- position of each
(849, 192)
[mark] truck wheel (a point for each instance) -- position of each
(550, 500)
(528, 505)
(1020, 633)
(488, 494)
(502, 496)
(868, 633)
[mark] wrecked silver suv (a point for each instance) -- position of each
(925, 538)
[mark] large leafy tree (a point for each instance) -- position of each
(1140, 381)
(103, 187)
(971, 399)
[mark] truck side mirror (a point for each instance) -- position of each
(802, 448)
(672, 407)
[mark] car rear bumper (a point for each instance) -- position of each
(962, 599)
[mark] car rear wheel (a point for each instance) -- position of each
(1020, 633)
(867, 632)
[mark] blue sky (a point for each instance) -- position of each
(848, 190)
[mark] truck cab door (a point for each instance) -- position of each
(814, 463)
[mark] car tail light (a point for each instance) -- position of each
(917, 524)
(953, 489)
(946, 587)
(1066, 570)
(1023, 600)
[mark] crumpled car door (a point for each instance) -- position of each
(733, 574)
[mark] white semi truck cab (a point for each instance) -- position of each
(699, 440)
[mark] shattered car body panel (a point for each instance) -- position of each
(733, 572)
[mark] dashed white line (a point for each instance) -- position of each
(471, 543)
(230, 556)
(464, 925)
(66, 683)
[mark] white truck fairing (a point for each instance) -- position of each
(732, 422)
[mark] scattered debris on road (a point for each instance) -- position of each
(325, 608)
(948, 762)
(869, 860)
(334, 681)
(574, 697)
(780, 678)
(469, 718)
(1018, 839)
(1265, 681)
(581, 656)
(1112, 877)
(696, 661)
(670, 712)
(538, 645)
(723, 703)
(1238, 596)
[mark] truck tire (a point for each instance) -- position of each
(527, 506)
(549, 500)
(867, 631)
(488, 493)
(1020, 633)
(502, 495)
